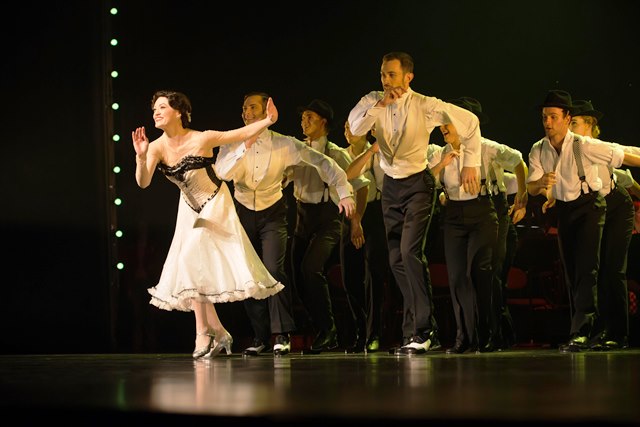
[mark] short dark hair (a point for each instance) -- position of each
(178, 101)
(406, 61)
(264, 95)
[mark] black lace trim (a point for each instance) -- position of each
(186, 164)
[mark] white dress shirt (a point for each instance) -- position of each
(449, 177)
(510, 182)
(403, 129)
(611, 176)
(370, 170)
(496, 158)
(544, 158)
(623, 177)
(258, 172)
(308, 185)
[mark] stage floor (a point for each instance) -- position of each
(521, 385)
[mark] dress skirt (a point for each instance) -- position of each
(211, 259)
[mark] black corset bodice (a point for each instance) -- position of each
(195, 177)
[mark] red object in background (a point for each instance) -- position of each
(636, 225)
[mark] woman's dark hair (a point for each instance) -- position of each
(177, 101)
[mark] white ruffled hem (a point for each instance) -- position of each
(182, 302)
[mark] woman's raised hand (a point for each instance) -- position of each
(140, 141)
(272, 111)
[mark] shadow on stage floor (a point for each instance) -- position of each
(521, 385)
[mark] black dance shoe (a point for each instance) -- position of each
(325, 341)
(398, 350)
(420, 344)
(605, 342)
(373, 344)
(257, 347)
(458, 348)
(576, 344)
(489, 347)
(357, 347)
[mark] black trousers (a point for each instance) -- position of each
(502, 330)
(316, 235)
(511, 249)
(377, 270)
(580, 225)
(365, 272)
(470, 233)
(613, 293)
(352, 263)
(267, 230)
(407, 206)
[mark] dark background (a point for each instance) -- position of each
(62, 292)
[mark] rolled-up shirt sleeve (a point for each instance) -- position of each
(327, 168)
(227, 160)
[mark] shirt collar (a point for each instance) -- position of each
(264, 136)
(319, 144)
(403, 99)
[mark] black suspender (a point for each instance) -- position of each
(577, 152)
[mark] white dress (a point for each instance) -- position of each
(210, 257)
